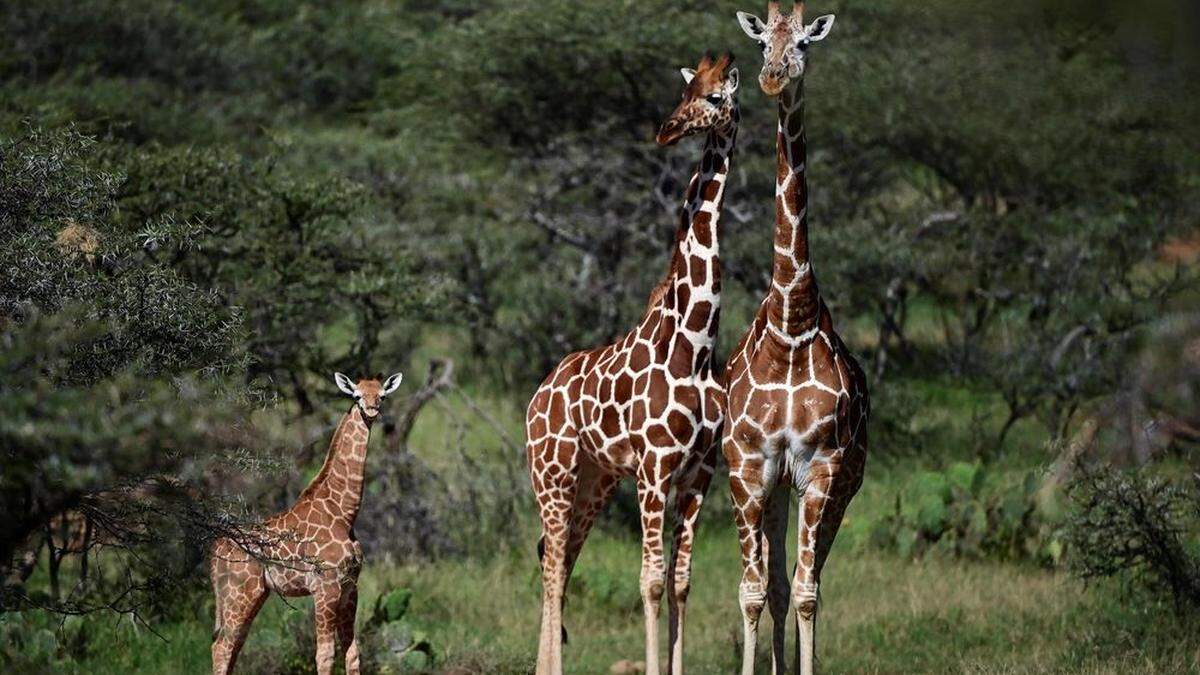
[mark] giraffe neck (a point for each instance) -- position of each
(340, 481)
(795, 301)
(693, 292)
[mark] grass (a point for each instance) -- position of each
(879, 614)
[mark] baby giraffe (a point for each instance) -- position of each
(310, 549)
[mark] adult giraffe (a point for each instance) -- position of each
(647, 406)
(310, 549)
(797, 400)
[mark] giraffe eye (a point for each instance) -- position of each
(714, 99)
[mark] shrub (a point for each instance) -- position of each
(392, 642)
(1138, 526)
(953, 511)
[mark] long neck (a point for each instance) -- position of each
(340, 481)
(794, 300)
(692, 297)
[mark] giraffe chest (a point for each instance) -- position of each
(796, 404)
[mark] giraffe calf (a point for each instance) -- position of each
(310, 549)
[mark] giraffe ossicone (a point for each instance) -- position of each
(310, 549)
(797, 401)
(647, 406)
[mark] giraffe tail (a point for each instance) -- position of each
(541, 549)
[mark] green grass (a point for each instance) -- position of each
(879, 615)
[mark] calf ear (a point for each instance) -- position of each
(732, 80)
(753, 25)
(345, 384)
(687, 74)
(392, 384)
(819, 29)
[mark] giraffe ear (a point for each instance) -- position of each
(688, 74)
(392, 384)
(345, 384)
(752, 25)
(732, 80)
(819, 29)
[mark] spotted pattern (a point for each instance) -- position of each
(797, 415)
(310, 549)
(647, 407)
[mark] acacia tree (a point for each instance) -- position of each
(109, 374)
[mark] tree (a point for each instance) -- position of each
(109, 375)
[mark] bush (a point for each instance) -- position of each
(392, 642)
(955, 511)
(1140, 527)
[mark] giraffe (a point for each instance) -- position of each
(797, 399)
(647, 406)
(310, 549)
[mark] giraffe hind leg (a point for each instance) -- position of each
(541, 551)
(593, 490)
(689, 497)
(554, 470)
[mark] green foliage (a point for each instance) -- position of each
(300, 255)
(392, 605)
(392, 642)
(28, 644)
(956, 512)
(62, 243)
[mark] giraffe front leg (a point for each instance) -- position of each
(747, 493)
(822, 506)
(347, 613)
(689, 498)
(652, 496)
(325, 615)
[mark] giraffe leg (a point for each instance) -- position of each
(775, 523)
(326, 601)
(594, 489)
(748, 495)
(652, 496)
(690, 492)
(347, 613)
(822, 505)
(240, 590)
(554, 484)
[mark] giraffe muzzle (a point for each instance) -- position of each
(773, 82)
(670, 132)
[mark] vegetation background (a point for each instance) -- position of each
(206, 208)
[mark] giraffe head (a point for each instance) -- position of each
(368, 394)
(784, 40)
(709, 100)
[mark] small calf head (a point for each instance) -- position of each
(785, 41)
(368, 394)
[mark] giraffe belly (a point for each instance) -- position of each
(285, 580)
